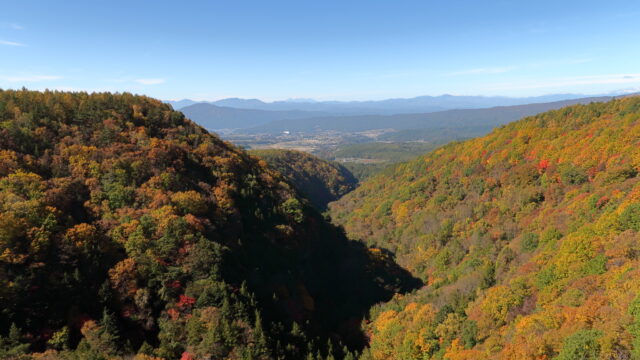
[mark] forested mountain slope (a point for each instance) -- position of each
(528, 240)
(318, 180)
(125, 228)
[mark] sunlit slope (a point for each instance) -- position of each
(528, 239)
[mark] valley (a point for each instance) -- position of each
(364, 143)
(127, 228)
(512, 245)
(319, 180)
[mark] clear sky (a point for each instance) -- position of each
(322, 49)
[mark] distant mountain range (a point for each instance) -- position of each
(469, 114)
(420, 104)
(479, 121)
(179, 104)
(215, 117)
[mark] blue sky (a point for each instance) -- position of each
(342, 50)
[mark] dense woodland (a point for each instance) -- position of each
(126, 229)
(527, 240)
(318, 180)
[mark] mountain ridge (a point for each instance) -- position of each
(126, 229)
(485, 118)
(424, 103)
(214, 117)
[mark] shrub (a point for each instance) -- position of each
(630, 217)
(293, 208)
(529, 242)
(582, 345)
(570, 174)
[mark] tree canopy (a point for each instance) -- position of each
(127, 229)
(527, 240)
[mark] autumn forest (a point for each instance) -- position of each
(127, 231)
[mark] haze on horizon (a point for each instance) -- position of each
(329, 50)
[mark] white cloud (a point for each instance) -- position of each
(11, 43)
(150, 81)
(12, 26)
(30, 78)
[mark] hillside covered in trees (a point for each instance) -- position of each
(318, 180)
(127, 229)
(527, 239)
